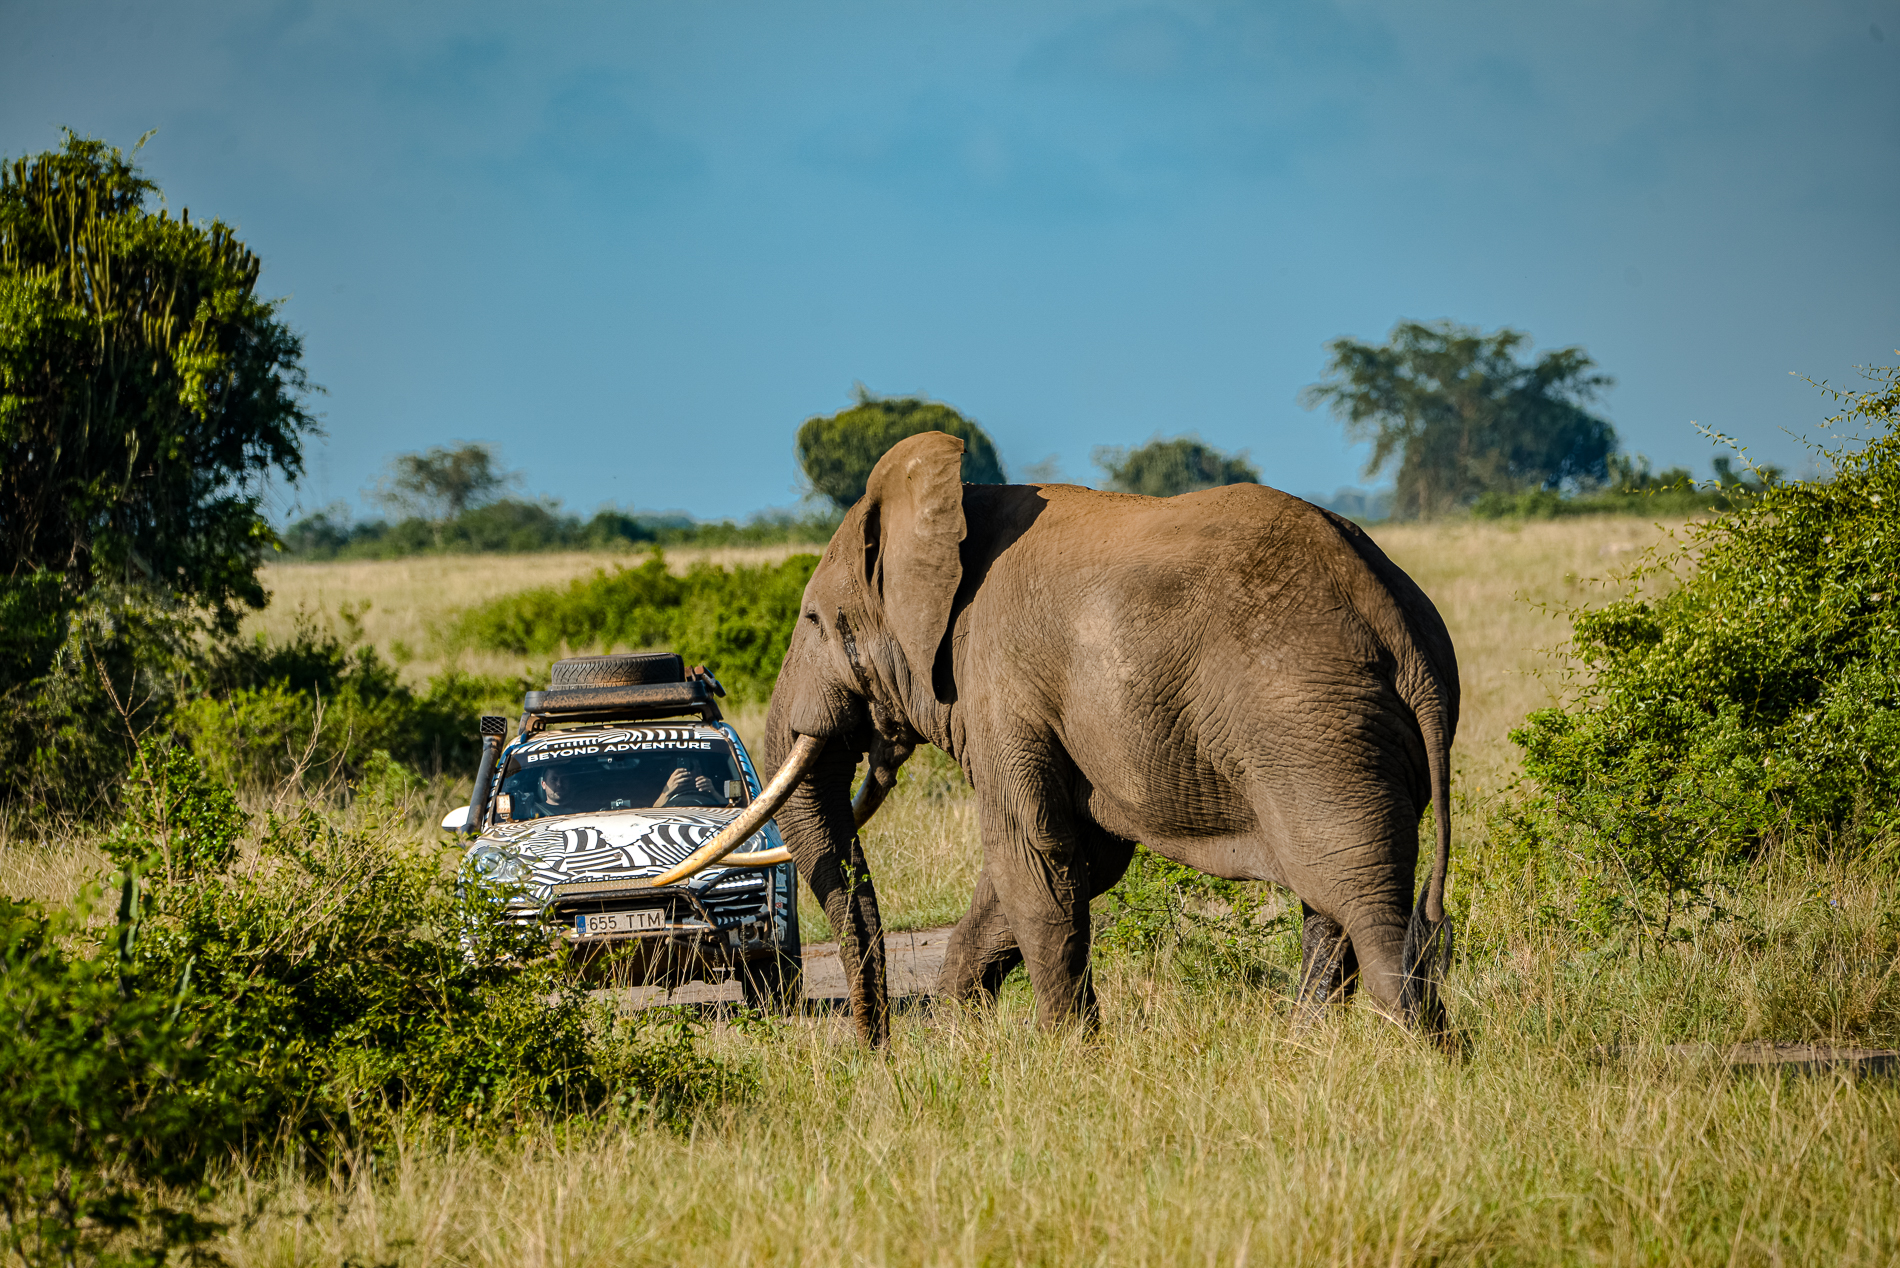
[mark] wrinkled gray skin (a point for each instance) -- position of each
(1234, 677)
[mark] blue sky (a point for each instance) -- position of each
(635, 245)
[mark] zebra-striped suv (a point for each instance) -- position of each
(619, 773)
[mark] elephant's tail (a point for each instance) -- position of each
(1428, 935)
(1430, 713)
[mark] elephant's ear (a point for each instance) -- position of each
(913, 527)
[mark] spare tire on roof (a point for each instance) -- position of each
(628, 669)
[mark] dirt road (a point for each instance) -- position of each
(912, 959)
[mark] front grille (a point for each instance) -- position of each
(737, 899)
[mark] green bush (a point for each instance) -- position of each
(1758, 701)
(314, 985)
(347, 979)
(93, 1106)
(1211, 931)
(109, 667)
(736, 620)
(127, 663)
(1633, 490)
(837, 452)
(326, 701)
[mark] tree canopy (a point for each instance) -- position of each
(443, 482)
(146, 391)
(837, 451)
(1163, 468)
(1463, 416)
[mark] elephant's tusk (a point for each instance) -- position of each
(878, 782)
(870, 797)
(758, 858)
(751, 819)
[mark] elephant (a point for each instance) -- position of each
(1235, 678)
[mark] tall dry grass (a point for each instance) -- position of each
(1197, 1128)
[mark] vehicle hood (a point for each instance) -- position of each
(611, 844)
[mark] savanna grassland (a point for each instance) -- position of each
(1204, 1123)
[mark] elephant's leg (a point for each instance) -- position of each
(843, 888)
(1344, 825)
(1030, 853)
(1374, 925)
(1328, 968)
(982, 949)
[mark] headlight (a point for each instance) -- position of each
(497, 864)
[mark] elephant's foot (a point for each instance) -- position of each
(1329, 971)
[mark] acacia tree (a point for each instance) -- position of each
(146, 391)
(1463, 416)
(1163, 468)
(441, 483)
(837, 451)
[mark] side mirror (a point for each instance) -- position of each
(735, 792)
(456, 820)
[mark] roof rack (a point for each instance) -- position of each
(625, 687)
(636, 703)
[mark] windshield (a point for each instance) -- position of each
(582, 777)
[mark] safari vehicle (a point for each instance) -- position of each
(619, 779)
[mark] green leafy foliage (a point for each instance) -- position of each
(1757, 701)
(1209, 930)
(325, 701)
(92, 1102)
(738, 621)
(314, 984)
(121, 656)
(146, 393)
(838, 451)
(176, 818)
(145, 389)
(1163, 468)
(323, 705)
(1463, 416)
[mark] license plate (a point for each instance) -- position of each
(601, 924)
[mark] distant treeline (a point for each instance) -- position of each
(519, 526)
(515, 525)
(1633, 490)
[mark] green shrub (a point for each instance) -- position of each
(327, 702)
(1211, 931)
(96, 671)
(126, 663)
(736, 620)
(1633, 490)
(316, 986)
(1757, 701)
(93, 1106)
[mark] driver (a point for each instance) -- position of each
(686, 787)
(554, 785)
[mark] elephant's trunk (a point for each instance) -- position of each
(880, 777)
(804, 752)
